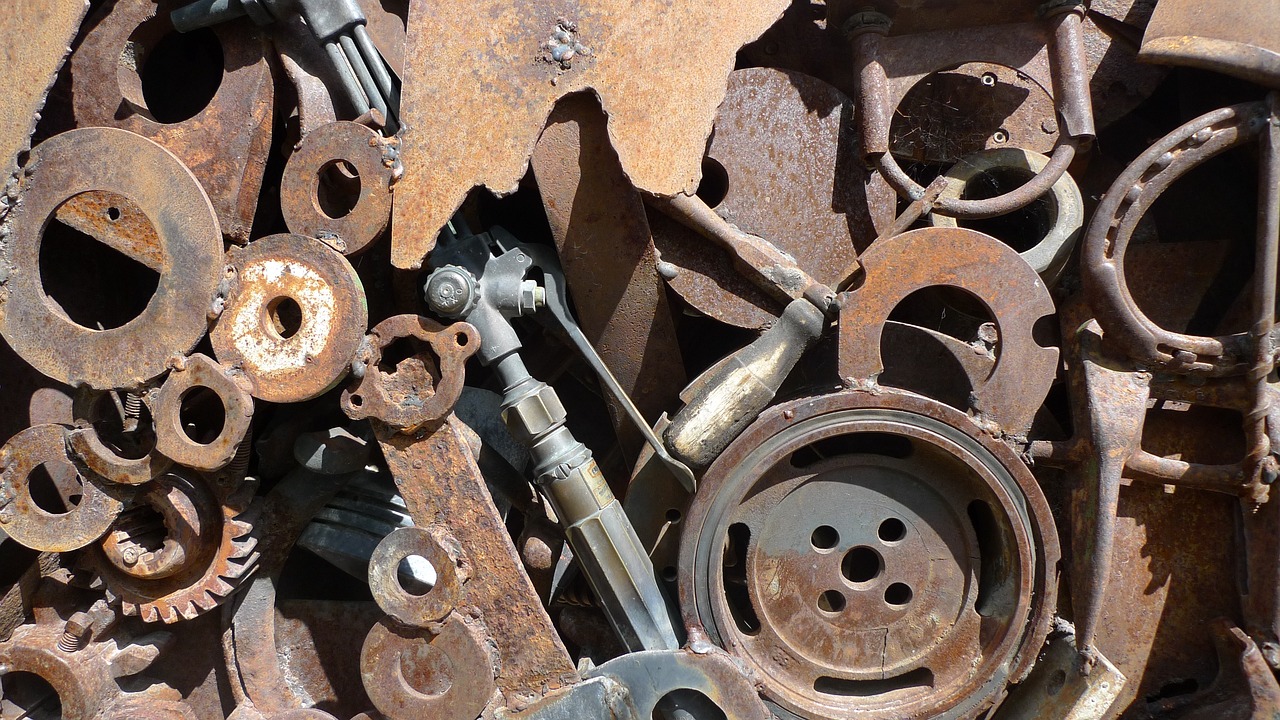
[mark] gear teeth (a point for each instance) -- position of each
(236, 559)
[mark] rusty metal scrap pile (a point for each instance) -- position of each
(610, 359)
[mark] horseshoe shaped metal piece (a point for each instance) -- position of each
(419, 391)
(90, 451)
(1124, 205)
(456, 653)
(189, 264)
(984, 267)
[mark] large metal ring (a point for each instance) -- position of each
(871, 555)
(85, 160)
(1124, 205)
(29, 524)
(982, 266)
(402, 605)
(294, 318)
(326, 149)
(172, 440)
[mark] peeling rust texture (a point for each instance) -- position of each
(659, 71)
(441, 484)
(604, 243)
(225, 144)
(1236, 38)
(34, 40)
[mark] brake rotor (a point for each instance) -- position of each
(875, 555)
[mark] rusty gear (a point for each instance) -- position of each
(178, 551)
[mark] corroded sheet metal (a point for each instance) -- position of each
(780, 168)
(225, 144)
(478, 93)
(1236, 38)
(603, 239)
(34, 39)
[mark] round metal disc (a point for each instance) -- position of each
(190, 259)
(289, 360)
(872, 556)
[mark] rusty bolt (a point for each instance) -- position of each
(129, 556)
(75, 635)
(988, 334)
(1049, 126)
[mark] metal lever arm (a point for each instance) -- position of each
(558, 305)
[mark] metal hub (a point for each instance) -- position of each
(872, 555)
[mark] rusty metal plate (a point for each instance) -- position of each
(598, 221)
(659, 71)
(778, 167)
(983, 267)
(94, 159)
(35, 37)
(441, 484)
(1236, 38)
(294, 317)
(226, 141)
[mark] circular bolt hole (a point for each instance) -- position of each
(202, 415)
(892, 530)
(674, 515)
(669, 573)
(824, 537)
(1000, 136)
(1056, 683)
(416, 575)
(356, 401)
(337, 189)
(898, 594)
(284, 317)
(989, 79)
(45, 491)
(861, 564)
(113, 214)
(715, 182)
(831, 601)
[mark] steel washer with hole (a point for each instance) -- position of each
(294, 317)
(342, 148)
(871, 554)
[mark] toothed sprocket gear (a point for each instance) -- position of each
(180, 550)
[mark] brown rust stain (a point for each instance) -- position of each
(478, 93)
(225, 144)
(34, 39)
